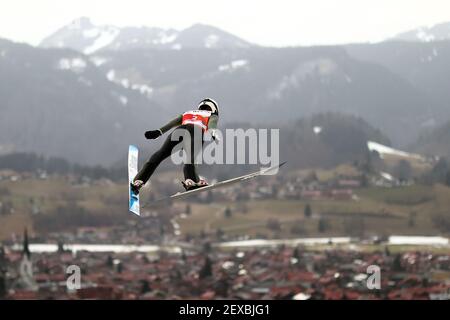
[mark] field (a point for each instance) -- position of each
(47, 195)
(375, 211)
(406, 210)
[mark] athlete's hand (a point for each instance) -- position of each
(153, 134)
(214, 136)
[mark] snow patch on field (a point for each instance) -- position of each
(41, 247)
(76, 65)
(143, 89)
(177, 46)
(123, 100)
(91, 33)
(98, 61)
(168, 38)
(417, 240)
(322, 67)
(383, 150)
(126, 83)
(435, 53)
(301, 296)
(164, 38)
(317, 130)
(348, 78)
(111, 75)
(387, 176)
(422, 35)
(287, 242)
(211, 41)
(233, 65)
(85, 81)
(105, 38)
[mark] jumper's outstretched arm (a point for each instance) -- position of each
(153, 134)
(171, 124)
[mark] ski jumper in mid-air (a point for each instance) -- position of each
(194, 122)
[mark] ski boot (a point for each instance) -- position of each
(190, 184)
(136, 185)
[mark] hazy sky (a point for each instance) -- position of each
(265, 22)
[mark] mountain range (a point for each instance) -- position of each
(437, 32)
(82, 35)
(87, 91)
(56, 102)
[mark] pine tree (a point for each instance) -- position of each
(2, 273)
(397, 264)
(307, 212)
(403, 170)
(145, 286)
(109, 261)
(296, 253)
(206, 270)
(207, 247)
(2, 285)
(322, 225)
(447, 179)
(364, 180)
(219, 233)
(412, 219)
(60, 246)
(227, 212)
(119, 267)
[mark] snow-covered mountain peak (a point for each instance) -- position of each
(82, 35)
(436, 32)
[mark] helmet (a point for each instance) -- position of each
(210, 105)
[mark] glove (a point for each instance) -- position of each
(214, 136)
(153, 134)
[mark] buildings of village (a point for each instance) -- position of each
(209, 273)
(200, 271)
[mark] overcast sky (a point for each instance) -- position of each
(265, 22)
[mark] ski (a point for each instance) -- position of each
(179, 195)
(133, 199)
